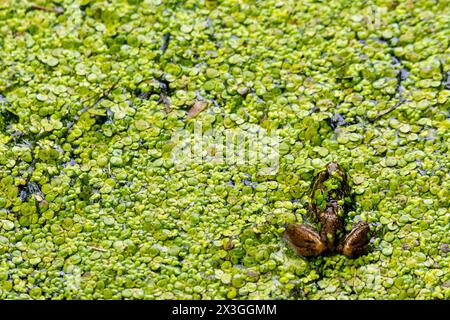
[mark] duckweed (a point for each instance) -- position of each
(93, 93)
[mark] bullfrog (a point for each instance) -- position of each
(329, 200)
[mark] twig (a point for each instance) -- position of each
(401, 76)
(103, 95)
(97, 249)
(385, 112)
(164, 86)
(164, 99)
(47, 9)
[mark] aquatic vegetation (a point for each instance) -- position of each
(94, 206)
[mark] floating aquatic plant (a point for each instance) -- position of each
(92, 93)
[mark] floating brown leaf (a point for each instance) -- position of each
(196, 108)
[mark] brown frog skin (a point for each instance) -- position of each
(329, 191)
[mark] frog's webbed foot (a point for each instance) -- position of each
(304, 240)
(356, 243)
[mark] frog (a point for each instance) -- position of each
(330, 199)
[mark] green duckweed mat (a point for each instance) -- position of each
(94, 205)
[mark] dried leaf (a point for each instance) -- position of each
(196, 108)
